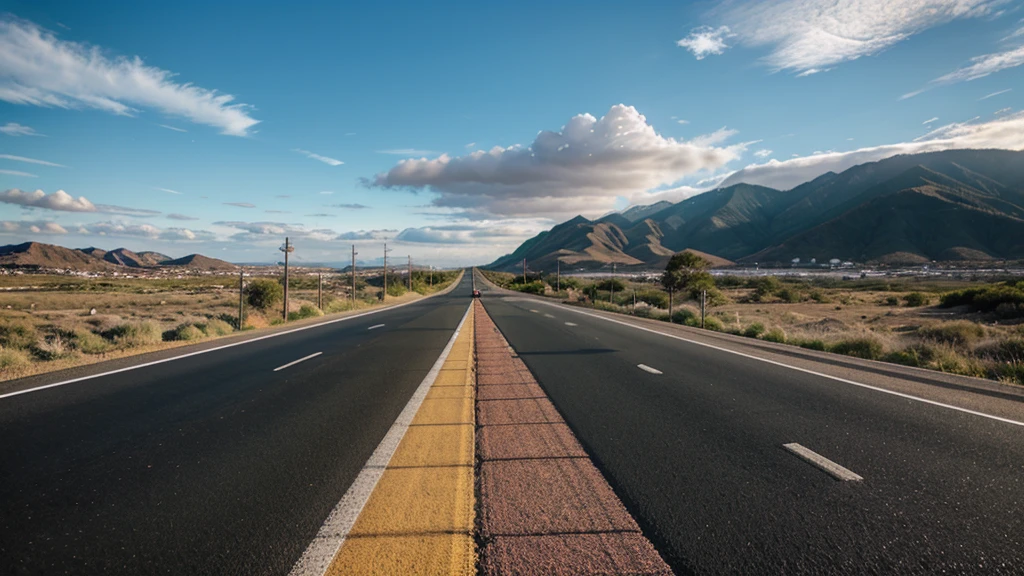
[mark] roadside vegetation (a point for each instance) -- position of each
(972, 329)
(55, 322)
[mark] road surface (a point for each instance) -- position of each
(226, 462)
(692, 439)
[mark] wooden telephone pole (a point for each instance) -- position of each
(354, 276)
(410, 273)
(287, 249)
(524, 270)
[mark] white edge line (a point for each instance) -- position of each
(571, 324)
(647, 368)
(374, 327)
(232, 345)
(797, 368)
(328, 541)
(297, 361)
(835, 470)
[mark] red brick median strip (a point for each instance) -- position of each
(544, 507)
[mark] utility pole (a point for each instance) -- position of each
(384, 295)
(287, 249)
(611, 286)
(410, 273)
(634, 301)
(241, 291)
(354, 276)
(320, 291)
(703, 305)
(524, 270)
(558, 275)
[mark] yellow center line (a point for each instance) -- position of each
(420, 517)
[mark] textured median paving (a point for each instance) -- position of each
(419, 518)
(544, 507)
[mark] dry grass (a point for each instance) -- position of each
(53, 322)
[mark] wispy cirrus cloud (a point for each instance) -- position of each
(169, 191)
(240, 204)
(40, 69)
(15, 129)
(30, 160)
(173, 216)
(810, 36)
(930, 120)
(347, 206)
(19, 173)
(172, 128)
(994, 94)
(325, 159)
(978, 67)
(407, 152)
(1006, 132)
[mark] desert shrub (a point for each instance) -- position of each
(862, 347)
(730, 281)
(712, 323)
(609, 283)
(892, 301)
(915, 299)
(1010, 350)
(764, 286)
(89, 343)
(217, 327)
(134, 334)
(535, 287)
(789, 295)
(308, 311)
(256, 320)
(811, 344)
(569, 282)
(605, 305)
(917, 356)
(685, 316)
(655, 298)
(263, 294)
(754, 330)
(11, 359)
(1007, 297)
(338, 305)
(394, 289)
(775, 335)
(184, 333)
(819, 296)
(947, 359)
(959, 333)
(53, 347)
(17, 335)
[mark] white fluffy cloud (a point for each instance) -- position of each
(64, 202)
(507, 233)
(59, 200)
(764, 153)
(581, 169)
(808, 36)
(19, 227)
(39, 69)
(1007, 132)
(273, 231)
(147, 231)
(15, 129)
(705, 41)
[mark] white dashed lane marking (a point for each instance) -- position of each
(837, 471)
(647, 368)
(297, 361)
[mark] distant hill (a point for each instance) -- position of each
(944, 206)
(48, 256)
(36, 255)
(200, 262)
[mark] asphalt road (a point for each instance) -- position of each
(214, 464)
(697, 455)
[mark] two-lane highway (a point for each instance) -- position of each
(226, 462)
(735, 465)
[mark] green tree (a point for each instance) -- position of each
(687, 272)
(264, 294)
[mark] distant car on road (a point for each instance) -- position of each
(476, 293)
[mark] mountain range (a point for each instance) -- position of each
(36, 255)
(957, 205)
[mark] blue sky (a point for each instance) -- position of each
(222, 127)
